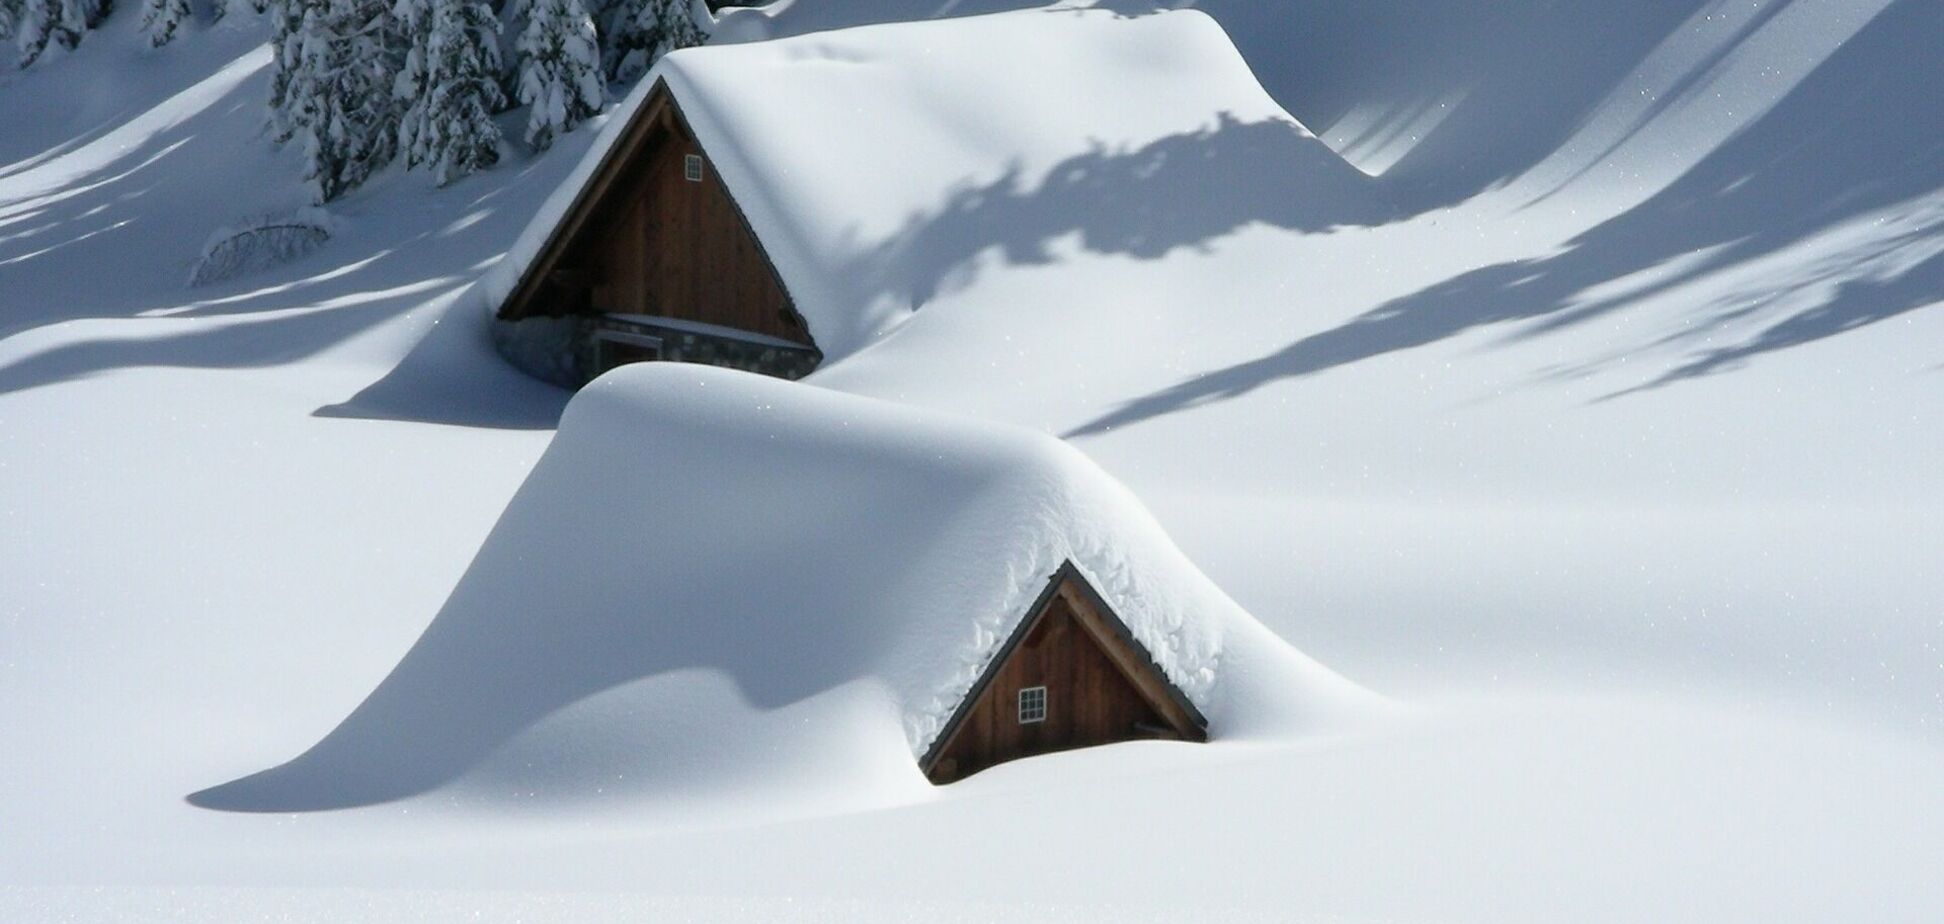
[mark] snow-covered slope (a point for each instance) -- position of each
(1673, 650)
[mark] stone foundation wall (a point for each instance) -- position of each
(569, 351)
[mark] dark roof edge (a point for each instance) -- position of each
(548, 253)
(1126, 636)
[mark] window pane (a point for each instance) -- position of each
(1032, 705)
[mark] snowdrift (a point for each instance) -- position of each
(730, 572)
(876, 163)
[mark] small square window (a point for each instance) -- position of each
(1032, 705)
(692, 168)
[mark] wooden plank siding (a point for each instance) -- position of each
(641, 238)
(1101, 687)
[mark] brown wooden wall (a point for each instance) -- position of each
(653, 242)
(1089, 700)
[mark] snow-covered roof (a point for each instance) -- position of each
(811, 579)
(875, 162)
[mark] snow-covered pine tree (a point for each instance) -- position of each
(412, 85)
(338, 96)
(637, 33)
(92, 13)
(160, 18)
(308, 112)
(457, 133)
(35, 26)
(560, 69)
(615, 22)
(376, 49)
(513, 25)
(9, 16)
(34, 23)
(78, 16)
(286, 55)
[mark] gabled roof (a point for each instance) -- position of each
(878, 164)
(1135, 661)
(658, 116)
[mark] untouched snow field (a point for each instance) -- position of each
(1611, 462)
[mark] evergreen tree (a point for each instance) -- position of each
(160, 19)
(306, 111)
(286, 54)
(412, 87)
(36, 25)
(638, 32)
(454, 85)
(376, 46)
(9, 17)
(337, 96)
(78, 16)
(560, 69)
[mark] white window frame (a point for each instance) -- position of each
(692, 167)
(1032, 702)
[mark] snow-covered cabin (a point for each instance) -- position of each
(713, 577)
(771, 205)
(1070, 675)
(655, 260)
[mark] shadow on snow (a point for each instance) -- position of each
(1857, 139)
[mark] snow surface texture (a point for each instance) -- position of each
(1672, 652)
(849, 564)
(908, 176)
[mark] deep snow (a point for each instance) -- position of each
(777, 584)
(1669, 653)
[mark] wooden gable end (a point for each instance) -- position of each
(1100, 685)
(647, 235)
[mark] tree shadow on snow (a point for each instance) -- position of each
(119, 81)
(89, 233)
(1181, 191)
(1477, 94)
(1857, 139)
(1399, 65)
(89, 243)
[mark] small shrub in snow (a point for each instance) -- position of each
(560, 69)
(261, 243)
